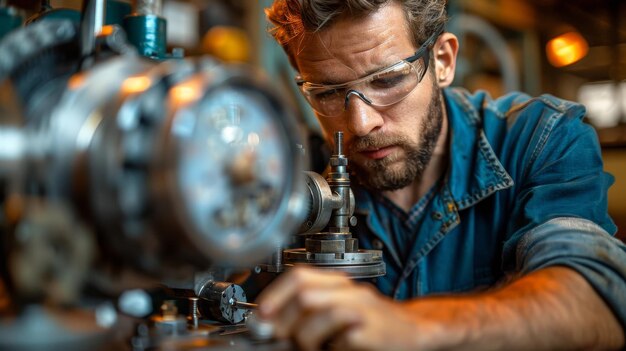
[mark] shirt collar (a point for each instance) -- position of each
(475, 171)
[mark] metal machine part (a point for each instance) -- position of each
(219, 317)
(123, 163)
(91, 25)
(127, 164)
(10, 18)
(169, 322)
(143, 24)
(252, 336)
(214, 299)
(331, 205)
(223, 298)
(147, 7)
(243, 305)
(147, 29)
(169, 166)
(259, 329)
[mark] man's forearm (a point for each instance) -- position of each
(554, 308)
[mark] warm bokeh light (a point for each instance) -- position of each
(76, 81)
(229, 44)
(186, 92)
(136, 84)
(106, 30)
(566, 49)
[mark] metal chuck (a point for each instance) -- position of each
(332, 206)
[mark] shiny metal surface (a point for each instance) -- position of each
(360, 257)
(259, 329)
(222, 306)
(331, 205)
(321, 203)
(147, 7)
(244, 305)
(129, 172)
(141, 150)
(124, 172)
(91, 25)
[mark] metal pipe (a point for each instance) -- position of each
(147, 7)
(98, 17)
(91, 23)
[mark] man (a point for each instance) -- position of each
(491, 215)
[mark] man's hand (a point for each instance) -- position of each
(553, 308)
(316, 307)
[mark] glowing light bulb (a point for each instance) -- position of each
(566, 49)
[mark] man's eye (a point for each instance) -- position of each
(326, 94)
(388, 81)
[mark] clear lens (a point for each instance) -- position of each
(383, 88)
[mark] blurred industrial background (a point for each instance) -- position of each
(574, 49)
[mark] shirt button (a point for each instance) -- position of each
(377, 244)
(450, 206)
(437, 215)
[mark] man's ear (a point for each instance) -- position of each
(445, 51)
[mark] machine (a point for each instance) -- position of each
(134, 183)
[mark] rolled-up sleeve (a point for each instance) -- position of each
(583, 246)
(560, 216)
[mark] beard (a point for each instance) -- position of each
(383, 174)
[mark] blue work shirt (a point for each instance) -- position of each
(524, 190)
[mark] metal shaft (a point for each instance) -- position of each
(91, 25)
(245, 305)
(339, 181)
(193, 313)
(339, 143)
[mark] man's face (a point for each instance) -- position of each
(390, 147)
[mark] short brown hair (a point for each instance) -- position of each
(292, 18)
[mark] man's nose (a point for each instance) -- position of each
(362, 118)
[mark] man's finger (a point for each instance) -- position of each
(288, 285)
(285, 319)
(320, 326)
(356, 295)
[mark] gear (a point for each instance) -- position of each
(40, 54)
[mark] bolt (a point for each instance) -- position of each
(353, 221)
(193, 313)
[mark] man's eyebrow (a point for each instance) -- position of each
(324, 82)
(372, 71)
